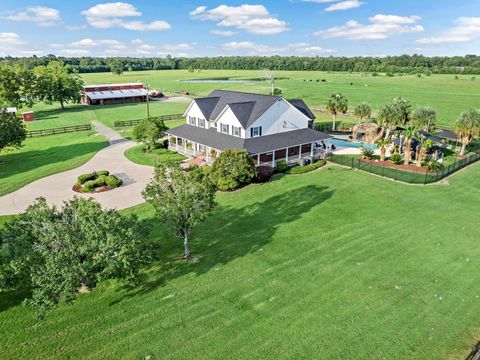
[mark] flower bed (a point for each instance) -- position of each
(389, 164)
(95, 182)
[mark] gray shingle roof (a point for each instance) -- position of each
(300, 105)
(256, 145)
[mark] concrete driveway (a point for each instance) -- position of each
(58, 188)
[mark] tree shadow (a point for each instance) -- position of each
(19, 162)
(233, 232)
(56, 113)
(13, 298)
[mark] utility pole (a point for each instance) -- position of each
(148, 102)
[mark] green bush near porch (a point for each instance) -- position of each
(305, 169)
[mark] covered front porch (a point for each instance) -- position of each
(192, 149)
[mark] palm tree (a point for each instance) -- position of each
(337, 104)
(387, 119)
(383, 144)
(409, 134)
(468, 128)
(424, 117)
(426, 144)
(362, 111)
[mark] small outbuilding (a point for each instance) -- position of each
(110, 94)
(28, 116)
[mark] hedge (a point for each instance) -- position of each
(304, 169)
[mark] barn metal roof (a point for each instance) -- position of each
(115, 94)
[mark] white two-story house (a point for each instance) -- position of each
(270, 128)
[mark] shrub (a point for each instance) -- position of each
(232, 169)
(304, 169)
(113, 181)
(281, 166)
(82, 179)
(93, 184)
(368, 153)
(264, 174)
(397, 159)
(103, 173)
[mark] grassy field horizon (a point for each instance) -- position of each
(442, 92)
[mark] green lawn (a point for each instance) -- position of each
(333, 264)
(44, 156)
(137, 155)
(447, 95)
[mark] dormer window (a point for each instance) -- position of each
(256, 131)
(192, 120)
(201, 122)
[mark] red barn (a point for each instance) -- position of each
(109, 94)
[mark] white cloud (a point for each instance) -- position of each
(254, 19)
(225, 33)
(467, 29)
(14, 45)
(89, 43)
(253, 48)
(380, 27)
(41, 15)
(108, 15)
(345, 5)
(75, 52)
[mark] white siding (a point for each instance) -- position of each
(281, 117)
(195, 111)
(229, 118)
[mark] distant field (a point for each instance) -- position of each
(448, 96)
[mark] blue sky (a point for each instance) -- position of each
(210, 28)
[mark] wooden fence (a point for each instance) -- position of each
(122, 123)
(58, 131)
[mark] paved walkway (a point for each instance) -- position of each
(58, 188)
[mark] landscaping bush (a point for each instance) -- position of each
(281, 166)
(368, 153)
(113, 181)
(264, 174)
(397, 159)
(89, 182)
(82, 179)
(307, 168)
(232, 169)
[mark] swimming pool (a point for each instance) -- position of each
(339, 143)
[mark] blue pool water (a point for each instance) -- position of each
(339, 143)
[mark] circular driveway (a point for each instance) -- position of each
(58, 188)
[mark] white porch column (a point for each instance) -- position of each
(258, 159)
(286, 155)
(311, 150)
(207, 153)
(273, 159)
(194, 149)
(300, 152)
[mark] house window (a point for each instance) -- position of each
(224, 128)
(235, 131)
(201, 122)
(256, 131)
(192, 120)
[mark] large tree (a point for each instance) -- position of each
(56, 251)
(424, 117)
(232, 169)
(55, 83)
(467, 128)
(12, 131)
(362, 111)
(116, 66)
(337, 104)
(181, 199)
(17, 84)
(149, 131)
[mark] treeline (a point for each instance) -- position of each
(469, 64)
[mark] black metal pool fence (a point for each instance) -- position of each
(409, 177)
